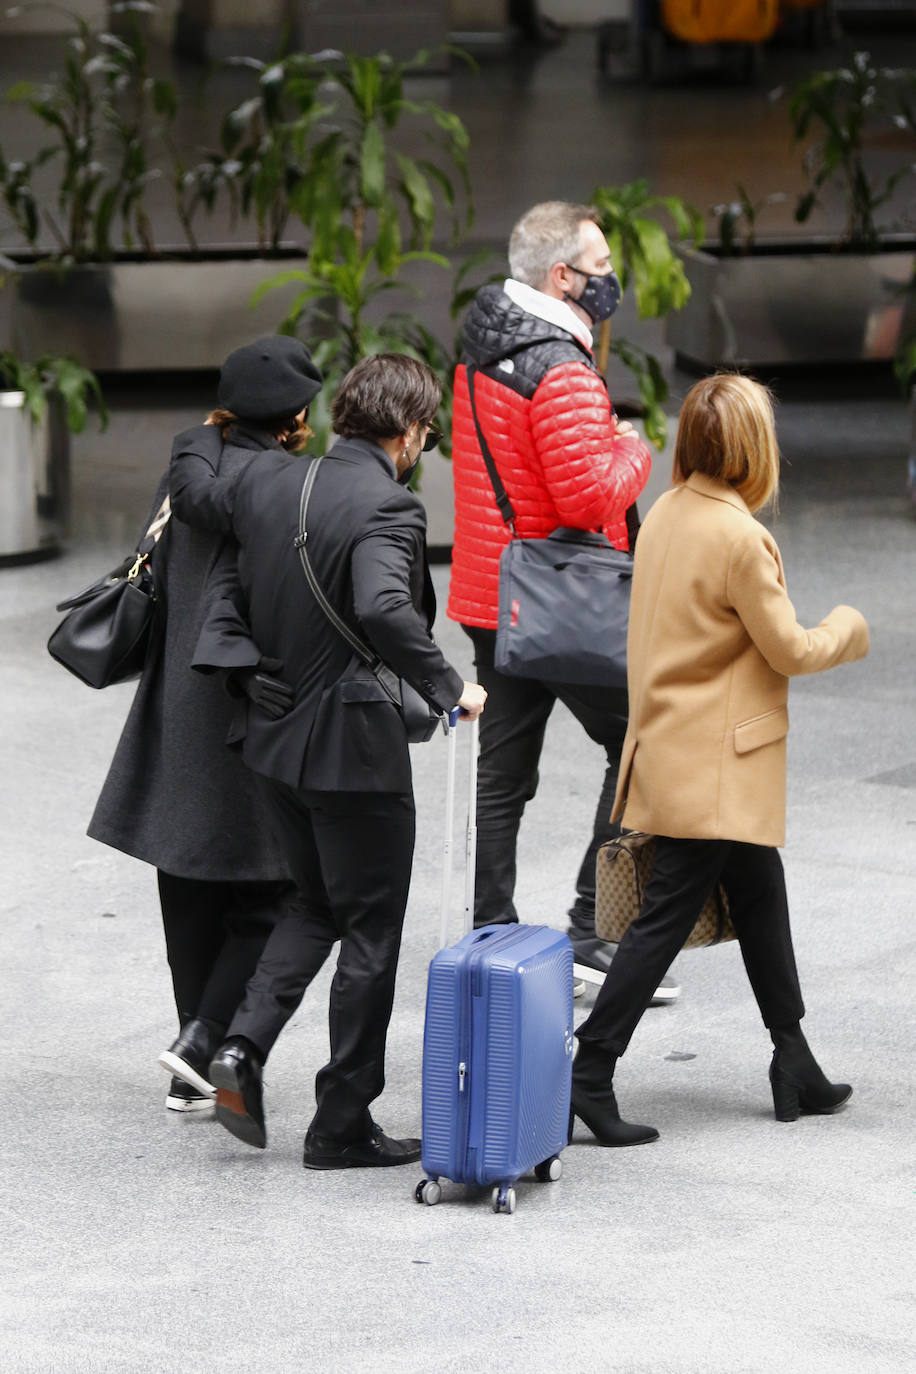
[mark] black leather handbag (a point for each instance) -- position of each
(564, 600)
(420, 719)
(105, 635)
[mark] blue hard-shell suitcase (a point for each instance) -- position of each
(498, 1045)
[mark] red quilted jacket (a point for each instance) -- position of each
(546, 416)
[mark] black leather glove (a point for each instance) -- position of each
(269, 694)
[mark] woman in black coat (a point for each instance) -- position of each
(177, 798)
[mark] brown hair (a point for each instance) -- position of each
(296, 433)
(382, 396)
(727, 430)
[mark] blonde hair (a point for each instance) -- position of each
(295, 433)
(727, 431)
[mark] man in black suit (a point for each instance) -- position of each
(334, 769)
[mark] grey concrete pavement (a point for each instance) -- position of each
(137, 1241)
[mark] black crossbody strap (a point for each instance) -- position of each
(506, 509)
(387, 679)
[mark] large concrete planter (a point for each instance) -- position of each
(34, 480)
(147, 315)
(793, 303)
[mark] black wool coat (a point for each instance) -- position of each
(175, 796)
(367, 544)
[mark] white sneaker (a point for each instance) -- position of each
(667, 991)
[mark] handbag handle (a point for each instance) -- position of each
(130, 568)
(505, 506)
(388, 680)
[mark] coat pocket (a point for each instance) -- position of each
(760, 730)
(363, 689)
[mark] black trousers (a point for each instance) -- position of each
(511, 738)
(683, 875)
(350, 854)
(214, 935)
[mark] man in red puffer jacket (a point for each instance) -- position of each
(564, 460)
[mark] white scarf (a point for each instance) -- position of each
(548, 308)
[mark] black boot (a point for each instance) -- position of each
(594, 1103)
(798, 1082)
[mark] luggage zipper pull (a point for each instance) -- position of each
(462, 1074)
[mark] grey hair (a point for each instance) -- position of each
(547, 233)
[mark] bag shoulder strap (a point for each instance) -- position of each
(386, 677)
(157, 526)
(505, 506)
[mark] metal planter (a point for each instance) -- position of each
(794, 303)
(34, 479)
(149, 315)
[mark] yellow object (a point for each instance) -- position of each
(720, 21)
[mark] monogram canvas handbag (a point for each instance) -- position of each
(623, 868)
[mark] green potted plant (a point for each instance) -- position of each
(824, 298)
(41, 404)
(307, 144)
(93, 282)
(371, 211)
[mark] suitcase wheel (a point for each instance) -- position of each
(550, 1170)
(428, 1191)
(503, 1199)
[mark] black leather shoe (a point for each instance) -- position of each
(235, 1071)
(187, 1057)
(379, 1151)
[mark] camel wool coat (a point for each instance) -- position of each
(713, 641)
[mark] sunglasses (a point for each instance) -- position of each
(433, 437)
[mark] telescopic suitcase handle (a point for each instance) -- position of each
(470, 848)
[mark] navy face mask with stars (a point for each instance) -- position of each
(600, 296)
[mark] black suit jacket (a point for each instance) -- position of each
(367, 545)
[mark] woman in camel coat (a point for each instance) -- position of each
(712, 644)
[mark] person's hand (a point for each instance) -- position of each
(269, 694)
(471, 700)
(625, 427)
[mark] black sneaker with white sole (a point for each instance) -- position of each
(188, 1057)
(182, 1097)
(592, 959)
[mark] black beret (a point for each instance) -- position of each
(267, 379)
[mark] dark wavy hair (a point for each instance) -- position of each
(382, 396)
(292, 432)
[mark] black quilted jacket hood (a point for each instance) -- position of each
(496, 328)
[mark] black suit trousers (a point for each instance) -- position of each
(684, 874)
(350, 854)
(511, 738)
(214, 935)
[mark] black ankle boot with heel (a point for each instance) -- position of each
(594, 1103)
(798, 1083)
